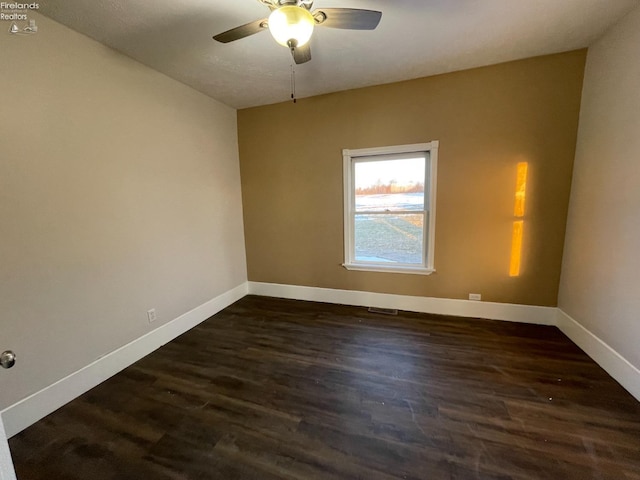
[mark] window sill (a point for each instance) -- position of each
(389, 269)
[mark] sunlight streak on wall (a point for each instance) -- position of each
(518, 225)
(516, 248)
(521, 189)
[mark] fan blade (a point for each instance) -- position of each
(302, 54)
(350, 18)
(241, 31)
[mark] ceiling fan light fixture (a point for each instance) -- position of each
(291, 26)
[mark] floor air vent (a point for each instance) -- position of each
(384, 311)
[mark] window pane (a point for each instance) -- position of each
(389, 238)
(390, 185)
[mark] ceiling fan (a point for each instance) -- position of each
(291, 23)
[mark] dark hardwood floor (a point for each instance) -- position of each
(280, 389)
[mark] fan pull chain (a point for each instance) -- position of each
(293, 83)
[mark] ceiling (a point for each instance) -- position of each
(415, 38)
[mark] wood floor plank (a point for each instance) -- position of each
(280, 389)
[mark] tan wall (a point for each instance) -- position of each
(486, 120)
(119, 192)
(600, 285)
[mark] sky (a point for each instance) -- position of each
(404, 172)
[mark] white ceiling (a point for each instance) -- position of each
(415, 38)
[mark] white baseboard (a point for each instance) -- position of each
(6, 465)
(31, 409)
(442, 306)
(611, 361)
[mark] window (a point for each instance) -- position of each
(389, 208)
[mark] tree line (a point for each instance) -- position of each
(380, 188)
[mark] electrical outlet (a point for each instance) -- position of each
(151, 315)
(475, 296)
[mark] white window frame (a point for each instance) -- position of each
(349, 160)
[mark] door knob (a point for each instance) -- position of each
(7, 359)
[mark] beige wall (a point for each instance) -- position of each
(487, 120)
(119, 192)
(600, 285)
